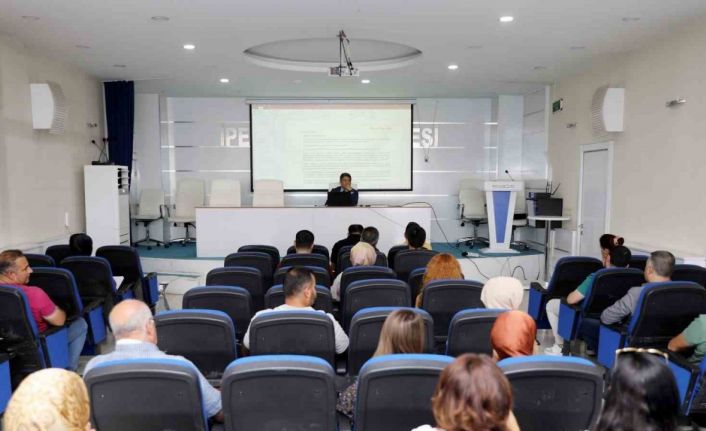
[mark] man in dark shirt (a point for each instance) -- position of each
(345, 187)
(354, 232)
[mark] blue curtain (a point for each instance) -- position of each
(120, 115)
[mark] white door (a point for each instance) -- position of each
(594, 196)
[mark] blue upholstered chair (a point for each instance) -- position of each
(249, 279)
(145, 395)
(638, 261)
(569, 272)
(39, 260)
(444, 298)
(275, 297)
(695, 273)
(272, 251)
(318, 249)
(253, 259)
(236, 302)
(408, 260)
(554, 393)
(95, 283)
(322, 276)
(58, 252)
(125, 262)
(5, 382)
(279, 392)
(358, 273)
(306, 259)
(469, 331)
(373, 293)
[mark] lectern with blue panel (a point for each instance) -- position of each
(500, 200)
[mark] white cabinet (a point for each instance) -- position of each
(107, 204)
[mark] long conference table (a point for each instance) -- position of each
(222, 230)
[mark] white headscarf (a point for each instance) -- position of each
(502, 292)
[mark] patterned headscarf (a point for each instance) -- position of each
(48, 400)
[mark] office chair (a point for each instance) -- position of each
(149, 211)
(189, 195)
(224, 193)
(471, 204)
(268, 193)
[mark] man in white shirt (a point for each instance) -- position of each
(300, 294)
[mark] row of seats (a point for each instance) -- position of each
(298, 392)
(207, 337)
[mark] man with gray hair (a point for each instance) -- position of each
(658, 269)
(136, 338)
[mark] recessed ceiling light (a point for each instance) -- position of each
(507, 18)
(453, 66)
(160, 18)
(189, 46)
(365, 81)
(30, 17)
(82, 46)
(491, 123)
(224, 80)
(539, 68)
(631, 18)
(119, 65)
(297, 81)
(577, 47)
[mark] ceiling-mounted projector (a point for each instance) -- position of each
(343, 72)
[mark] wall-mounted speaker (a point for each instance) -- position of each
(607, 110)
(49, 107)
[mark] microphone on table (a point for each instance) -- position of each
(508, 174)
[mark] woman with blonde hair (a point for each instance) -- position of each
(443, 266)
(473, 394)
(362, 254)
(51, 399)
(402, 332)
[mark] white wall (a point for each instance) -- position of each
(659, 175)
(41, 175)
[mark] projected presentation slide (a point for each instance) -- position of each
(308, 146)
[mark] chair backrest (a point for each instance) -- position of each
(205, 337)
(664, 310)
(393, 252)
(236, 302)
(344, 260)
(609, 285)
(345, 248)
(279, 392)
(151, 201)
(94, 278)
(416, 277)
(268, 193)
(275, 297)
(58, 252)
(252, 259)
(469, 331)
(359, 273)
(408, 260)
(695, 273)
(569, 272)
(638, 262)
(554, 393)
(19, 333)
(444, 298)
(60, 285)
(394, 391)
(39, 260)
(471, 197)
(249, 279)
(322, 276)
(305, 332)
(318, 249)
(271, 250)
(145, 395)
(124, 261)
(189, 195)
(365, 329)
(224, 193)
(374, 293)
(305, 259)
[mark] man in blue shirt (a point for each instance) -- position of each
(136, 338)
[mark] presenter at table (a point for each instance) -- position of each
(343, 195)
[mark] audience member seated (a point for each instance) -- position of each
(354, 233)
(443, 266)
(473, 394)
(502, 292)
(693, 337)
(514, 333)
(608, 242)
(300, 294)
(402, 332)
(617, 257)
(362, 254)
(15, 272)
(304, 242)
(371, 235)
(136, 338)
(642, 393)
(49, 400)
(658, 269)
(80, 245)
(415, 237)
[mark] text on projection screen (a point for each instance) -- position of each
(308, 146)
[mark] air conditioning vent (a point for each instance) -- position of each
(607, 110)
(49, 107)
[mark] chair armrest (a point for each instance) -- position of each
(610, 339)
(686, 375)
(150, 285)
(538, 287)
(537, 301)
(55, 342)
(568, 319)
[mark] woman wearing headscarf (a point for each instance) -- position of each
(513, 334)
(502, 292)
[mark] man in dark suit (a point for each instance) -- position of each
(354, 232)
(345, 187)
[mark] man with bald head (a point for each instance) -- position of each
(136, 338)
